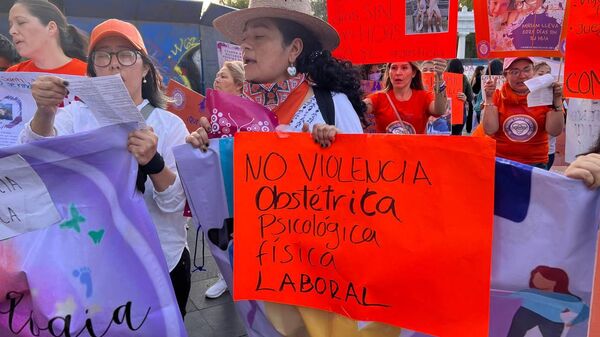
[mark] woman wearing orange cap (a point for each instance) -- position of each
(40, 33)
(521, 132)
(404, 106)
(116, 47)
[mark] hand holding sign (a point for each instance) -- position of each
(490, 87)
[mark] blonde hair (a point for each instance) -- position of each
(236, 68)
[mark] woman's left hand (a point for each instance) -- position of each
(142, 144)
(461, 96)
(557, 90)
(323, 134)
(586, 168)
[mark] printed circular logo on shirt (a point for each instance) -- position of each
(178, 98)
(400, 128)
(520, 128)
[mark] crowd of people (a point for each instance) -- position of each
(288, 67)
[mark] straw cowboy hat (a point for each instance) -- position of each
(232, 24)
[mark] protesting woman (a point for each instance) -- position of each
(521, 132)
(116, 47)
(289, 69)
(40, 33)
(404, 106)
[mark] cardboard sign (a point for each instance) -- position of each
(583, 127)
(454, 85)
(317, 227)
(228, 52)
(533, 28)
(582, 71)
(187, 104)
(380, 31)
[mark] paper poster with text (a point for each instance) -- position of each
(228, 52)
(381, 31)
(582, 71)
(520, 28)
(317, 227)
(583, 127)
(17, 106)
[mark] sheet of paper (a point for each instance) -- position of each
(540, 90)
(108, 99)
(25, 204)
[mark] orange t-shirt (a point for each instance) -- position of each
(414, 111)
(522, 132)
(73, 67)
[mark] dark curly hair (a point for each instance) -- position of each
(324, 70)
(8, 51)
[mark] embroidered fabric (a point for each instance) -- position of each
(272, 95)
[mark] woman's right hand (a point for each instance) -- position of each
(586, 168)
(49, 92)
(199, 138)
(489, 88)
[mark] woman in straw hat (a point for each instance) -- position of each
(290, 70)
(288, 66)
(116, 47)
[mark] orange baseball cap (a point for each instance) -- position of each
(114, 27)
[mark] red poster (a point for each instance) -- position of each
(582, 70)
(506, 28)
(187, 104)
(454, 85)
(380, 31)
(318, 227)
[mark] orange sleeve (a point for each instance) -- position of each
(16, 67)
(376, 100)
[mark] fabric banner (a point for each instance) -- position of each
(582, 72)
(545, 232)
(381, 31)
(583, 127)
(228, 52)
(99, 270)
(520, 28)
(310, 216)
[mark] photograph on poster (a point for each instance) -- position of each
(426, 16)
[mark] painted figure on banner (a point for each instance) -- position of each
(547, 305)
(525, 24)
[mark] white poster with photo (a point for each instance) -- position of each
(16, 105)
(583, 127)
(228, 52)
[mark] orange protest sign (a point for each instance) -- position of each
(454, 85)
(380, 31)
(187, 104)
(376, 236)
(582, 71)
(506, 28)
